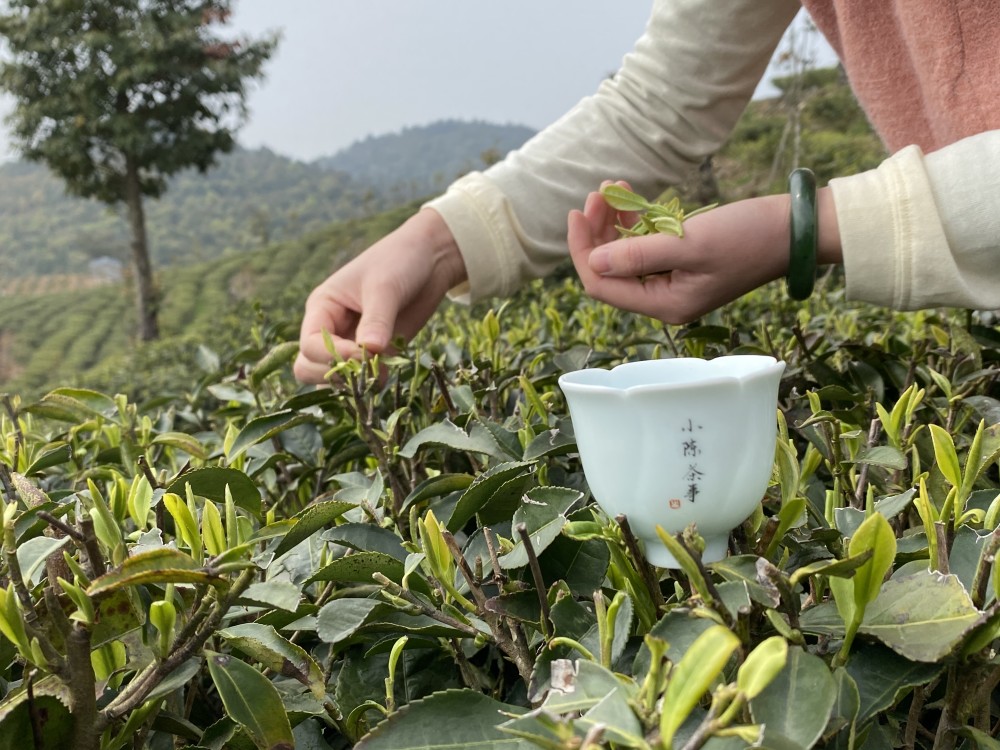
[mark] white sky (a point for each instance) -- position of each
(344, 70)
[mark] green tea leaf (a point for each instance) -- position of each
(874, 534)
(882, 455)
(53, 456)
(883, 677)
(367, 537)
(52, 701)
(796, 705)
(32, 554)
(309, 521)
(543, 514)
(442, 484)
(263, 644)
(279, 355)
(73, 405)
(211, 483)
(761, 666)
(276, 593)
(922, 616)
(252, 700)
(161, 565)
(264, 428)
(182, 441)
(359, 568)
(430, 724)
(450, 435)
(482, 490)
(340, 619)
(945, 455)
(701, 664)
(623, 199)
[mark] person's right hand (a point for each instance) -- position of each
(390, 290)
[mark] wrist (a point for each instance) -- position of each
(432, 233)
(828, 249)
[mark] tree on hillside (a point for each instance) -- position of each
(117, 95)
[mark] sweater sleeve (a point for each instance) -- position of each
(675, 100)
(923, 231)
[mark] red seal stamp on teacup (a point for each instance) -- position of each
(674, 503)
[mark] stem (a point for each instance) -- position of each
(188, 642)
(36, 720)
(82, 687)
(396, 590)
(859, 492)
(941, 532)
(981, 582)
(536, 574)
(643, 566)
(913, 718)
(93, 549)
(474, 588)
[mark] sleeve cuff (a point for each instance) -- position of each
(483, 224)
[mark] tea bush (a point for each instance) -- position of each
(411, 559)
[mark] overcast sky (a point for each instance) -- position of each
(346, 70)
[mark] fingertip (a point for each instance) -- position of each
(373, 337)
(600, 261)
(578, 235)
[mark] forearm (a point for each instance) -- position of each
(670, 106)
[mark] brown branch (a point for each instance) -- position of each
(463, 565)
(65, 528)
(82, 688)
(37, 735)
(93, 549)
(981, 582)
(536, 574)
(408, 596)
(643, 566)
(135, 693)
(499, 577)
(859, 493)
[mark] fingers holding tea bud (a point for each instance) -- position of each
(724, 253)
(605, 221)
(390, 290)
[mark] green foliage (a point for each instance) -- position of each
(241, 562)
(82, 338)
(116, 97)
(104, 88)
(833, 137)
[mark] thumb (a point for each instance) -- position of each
(377, 324)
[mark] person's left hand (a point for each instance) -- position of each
(725, 253)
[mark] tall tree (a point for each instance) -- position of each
(117, 95)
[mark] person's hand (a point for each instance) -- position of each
(725, 253)
(390, 290)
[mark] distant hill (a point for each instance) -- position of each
(249, 200)
(419, 161)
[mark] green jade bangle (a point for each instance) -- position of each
(804, 234)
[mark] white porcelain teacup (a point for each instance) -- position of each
(671, 442)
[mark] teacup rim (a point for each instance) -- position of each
(769, 365)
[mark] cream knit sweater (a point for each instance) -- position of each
(921, 230)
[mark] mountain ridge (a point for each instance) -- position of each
(251, 198)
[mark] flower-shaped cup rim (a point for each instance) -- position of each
(601, 379)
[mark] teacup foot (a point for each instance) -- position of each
(715, 549)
